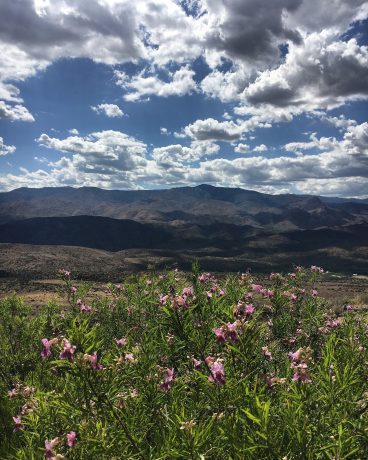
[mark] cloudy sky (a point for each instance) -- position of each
(269, 95)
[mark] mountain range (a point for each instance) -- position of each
(225, 228)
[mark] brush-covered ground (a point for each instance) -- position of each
(178, 366)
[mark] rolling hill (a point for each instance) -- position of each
(217, 225)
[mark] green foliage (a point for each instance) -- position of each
(176, 366)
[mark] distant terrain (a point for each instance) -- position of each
(100, 233)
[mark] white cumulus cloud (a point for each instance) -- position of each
(110, 110)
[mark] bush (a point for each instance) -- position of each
(175, 366)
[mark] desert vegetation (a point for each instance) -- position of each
(173, 365)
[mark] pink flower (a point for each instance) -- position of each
(333, 323)
(73, 289)
(49, 446)
(314, 293)
(249, 309)
(18, 425)
(204, 277)
(187, 291)
(71, 438)
(267, 293)
(217, 373)
(232, 331)
(163, 299)
(348, 308)
(220, 337)
(84, 308)
(299, 364)
(180, 301)
(68, 350)
(302, 376)
(256, 287)
(266, 353)
(197, 363)
(121, 342)
(47, 344)
(12, 393)
(315, 269)
(129, 357)
(168, 379)
(296, 355)
(93, 360)
(65, 273)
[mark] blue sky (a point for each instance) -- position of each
(165, 93)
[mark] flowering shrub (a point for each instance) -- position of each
(180, 365)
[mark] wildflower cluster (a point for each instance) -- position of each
(175, 365)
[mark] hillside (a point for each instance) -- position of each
(225, 227)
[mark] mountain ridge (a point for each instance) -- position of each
(185, 223)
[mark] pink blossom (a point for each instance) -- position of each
(180, 301)
(68, 350)
(47, 344)
(231, 331)
(93, 360)
(333, 323)
(168, 379)
(73, 289)
(302, 376)
(84, 308)
(129, 357)
(220, 337)
(71, 438)
(314, 293)
(12, 393)
(187, 291)
(18, 425)
(296, 355)
(266, 353)
(348, 307)
(65, 273)
(204, 277)
(197, 363)
(256, 287)
(217, 373)
(315, 269)
(267, 293)
(249, 309)
(49, 446)
(163, 299)
(121, 342)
